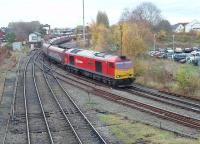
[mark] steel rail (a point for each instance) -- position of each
(82, 114)
(13, 102)
(25, 100)
(25, 104)
(162, 95)
(67, 94)
(41, 105)
(63, 112)
(161, 99)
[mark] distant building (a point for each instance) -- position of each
(179, 27)
(186, 27)
(35, 39)
(192, 26)
(61, 31)
(17, 45)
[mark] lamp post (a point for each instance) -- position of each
(173, 40)
(121, 36)
(84, 22)
(154, 42)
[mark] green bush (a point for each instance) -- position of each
(188, 79)
(182, 77)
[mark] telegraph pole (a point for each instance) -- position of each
(121, 30)
(83, 22)
(154, 40)
(173, 40)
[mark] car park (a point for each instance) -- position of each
(178, 57)
(185, 55)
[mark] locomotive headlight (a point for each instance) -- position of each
(118, 76)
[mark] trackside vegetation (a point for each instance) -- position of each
(131, 132)
(169, 76)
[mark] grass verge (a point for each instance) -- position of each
(131, 132)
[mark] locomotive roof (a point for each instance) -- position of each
(94, 54)
(55, 48)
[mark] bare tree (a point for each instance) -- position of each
(146, 12)
(102, 18)
(163, 25)
(23, 29)
(125, 16)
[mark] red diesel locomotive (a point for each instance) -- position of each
(110, 69)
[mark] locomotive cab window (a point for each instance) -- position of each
(98, 66)
(71, 60)
(124, 65)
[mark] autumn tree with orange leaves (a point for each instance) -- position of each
(100, 37)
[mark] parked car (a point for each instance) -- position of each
(178, 57)
(169, 55)
(187, 50)
(196, 61)
(157, 53)
(195, 53)
(190, 59)
(196, 49)
(178, 50)
(152, 53)
(162, 55)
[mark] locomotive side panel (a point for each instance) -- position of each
(110, 69)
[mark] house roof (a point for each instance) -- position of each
(37, 33)
(178, 24)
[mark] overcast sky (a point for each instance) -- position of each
(68, 13)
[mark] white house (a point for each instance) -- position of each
(186, 27)
(35, 39)
(179, 27)
(192, 26)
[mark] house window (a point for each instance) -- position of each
(34, 37)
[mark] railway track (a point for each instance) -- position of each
(80, 126)
(177, 101)
(25, 124)
(13, 101)
(162, 98)
(18, 120)
(56, 120)
(37, 126)
(165, 114)
(135, 89)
